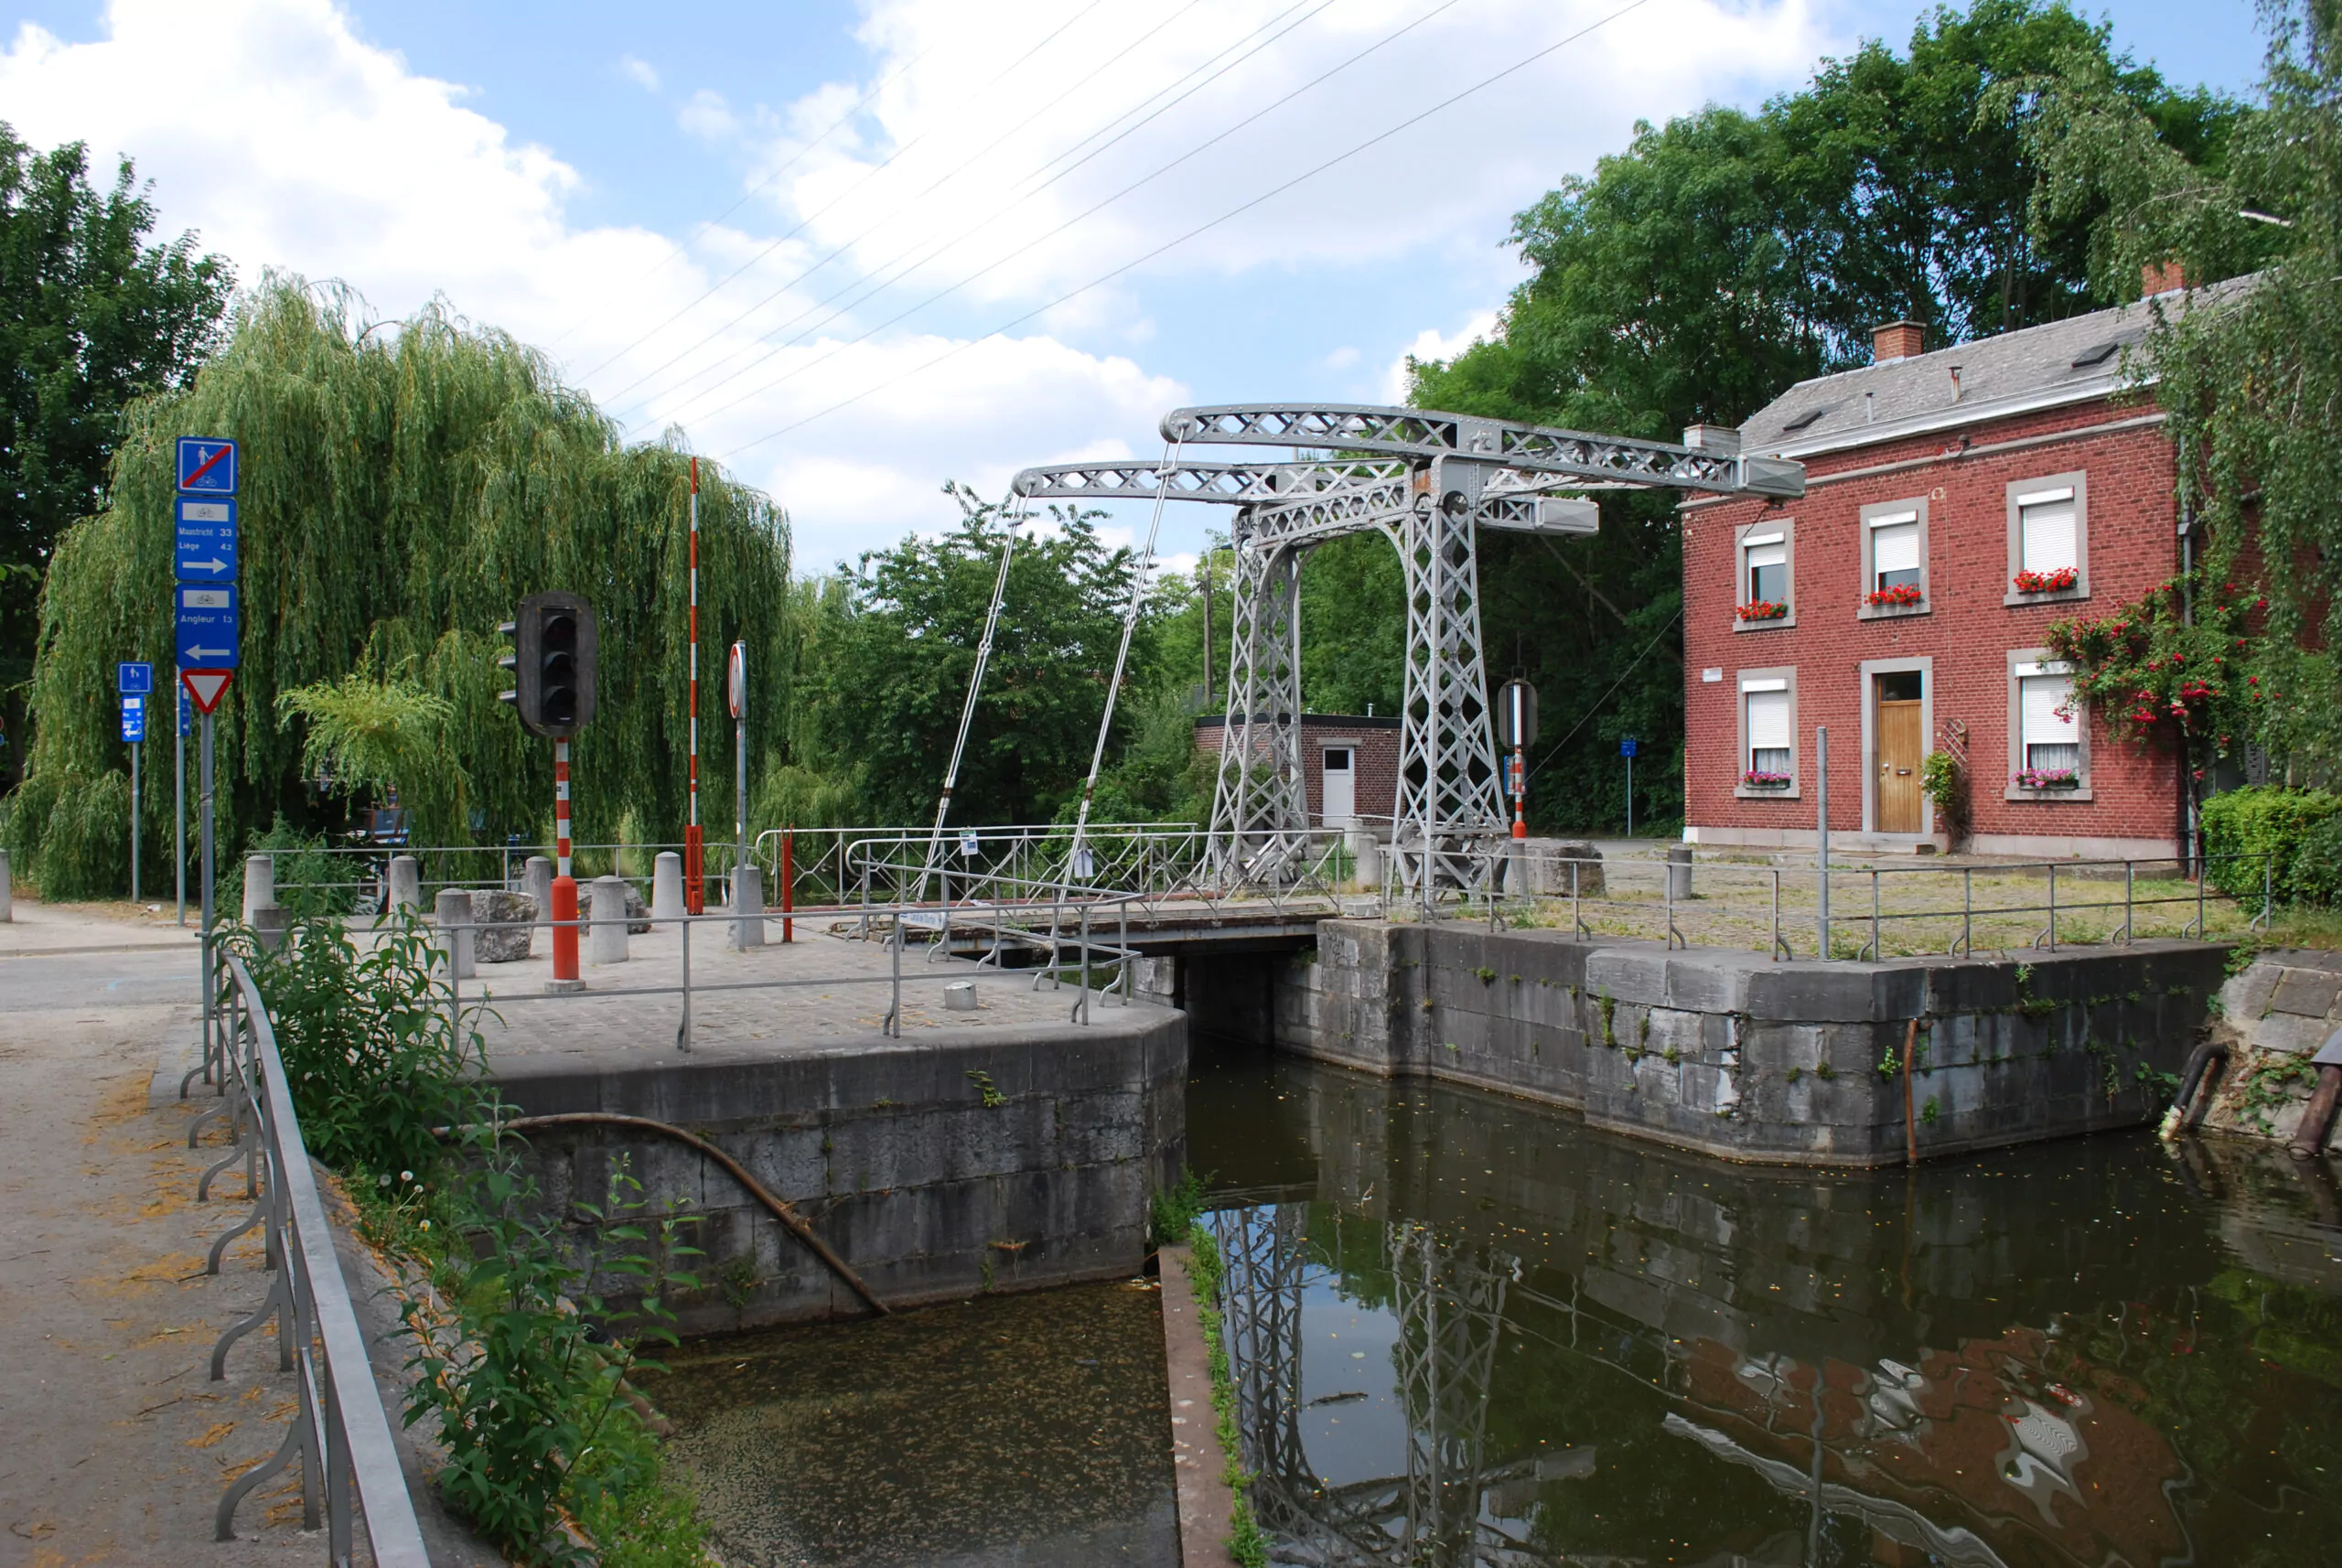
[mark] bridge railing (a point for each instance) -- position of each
(340, 1434)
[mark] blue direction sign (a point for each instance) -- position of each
(209, 621)
(207, 465)
(134, 679)
(1626, 746)
(186, 714)
(134, 719)
(204, 543)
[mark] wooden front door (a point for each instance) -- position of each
(1902, 808)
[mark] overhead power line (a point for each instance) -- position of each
(1086, 213)
(875, 281)
(800, 227)
(1173, 244)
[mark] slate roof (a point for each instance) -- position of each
(2060, 362)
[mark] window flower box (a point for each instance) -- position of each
(2060, 581)
(1757, 781)
(1901, 596)
(1762, 609)
(2047, 779)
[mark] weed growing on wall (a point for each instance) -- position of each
(1245, 1544)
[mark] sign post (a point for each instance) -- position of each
(178, 799)
(736, 688)
(1627, 749)
(206, 614)
(135, 682)
(694, 847)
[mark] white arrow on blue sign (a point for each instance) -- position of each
(134, 679)
(203, 548)
(134, 719)
(209, 623)
(207, 464)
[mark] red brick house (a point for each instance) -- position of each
(1357, 755)
(1957, 502)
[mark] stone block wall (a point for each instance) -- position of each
(1724, 1052)
(2273, 1014)
(937, 1167)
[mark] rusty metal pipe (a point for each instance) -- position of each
(2198, 1076)
(2318, 1122)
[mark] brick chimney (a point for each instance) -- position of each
(2163, 277)
(1898, 340)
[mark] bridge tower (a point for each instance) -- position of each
(1429, 482)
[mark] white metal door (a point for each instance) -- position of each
(1340, 793)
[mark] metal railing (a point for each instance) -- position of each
(340, 1432)
(1737, 904)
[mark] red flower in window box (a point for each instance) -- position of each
(1901, 596)
(2056, 582)
(1762, 609)
(1758, 779)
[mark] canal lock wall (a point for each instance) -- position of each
(1722, 1052)
(937, 1167)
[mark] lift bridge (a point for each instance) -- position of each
(1429, 482)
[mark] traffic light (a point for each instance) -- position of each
(554, 646)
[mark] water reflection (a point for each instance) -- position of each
(1469, 1332)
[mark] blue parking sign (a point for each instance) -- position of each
(206, 465)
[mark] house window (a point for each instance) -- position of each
(1766, 556)
(1894, 559)
(2048, 731)
(2048, 538)
(1767, 734)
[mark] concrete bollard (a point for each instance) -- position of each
(667, 887)
(405, 890)
(960, 996)
(1366, 850)
(749, 908)
(1678, 871)
(608, 915)
(536, 881)
(6, 896)
(259, 883)
(452, 906)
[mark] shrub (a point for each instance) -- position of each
(2316, 871)
(2257, 821)
(75, 835)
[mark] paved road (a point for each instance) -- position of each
(39, 983)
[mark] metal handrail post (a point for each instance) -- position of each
(895, 954)
(1878, 953)
(2053, 906)
(1084, 1002)
(2268, 888)
(684, 1033)
(1123, 940)
(2130, 876)
(1968, 911)
(1821, 836)
(2201, 869)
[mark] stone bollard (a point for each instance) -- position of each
(536, 881)
(749, 908)
(6, 913)
(960, 996)
(405, 890)
(608, 915)
(1366, 850)
(262, 912)
(1678, 871)
(452, 906)
(667, 887)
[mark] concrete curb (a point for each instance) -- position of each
(1198, 1464)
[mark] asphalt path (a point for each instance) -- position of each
(55, 983)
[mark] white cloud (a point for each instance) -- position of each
(314, 150)
(1432, 344)
(641, 73)
(709, 117)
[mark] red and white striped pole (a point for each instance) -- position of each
(694, 853)
(564, 886)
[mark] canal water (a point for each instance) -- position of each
(1467, 1331)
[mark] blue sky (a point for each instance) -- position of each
(584, 175)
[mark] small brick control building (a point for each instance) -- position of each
(1358, 755)
(1958, 503)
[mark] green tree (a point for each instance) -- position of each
(1723, 257)
(403, 485)
(890, 662)
(90, 318)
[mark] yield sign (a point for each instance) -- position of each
(206, 687)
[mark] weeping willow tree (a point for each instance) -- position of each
(402, 485)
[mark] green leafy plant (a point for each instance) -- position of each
(1172, 1211)
(2242, 826)
(1246, 1543)
(1944, 779)
(986, 1090)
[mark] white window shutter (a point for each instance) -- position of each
(1895, 548)
(1768, 555)
(2048, 536)
(2042, 696)
(1768, 720)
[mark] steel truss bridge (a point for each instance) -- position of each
(1429, 482)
